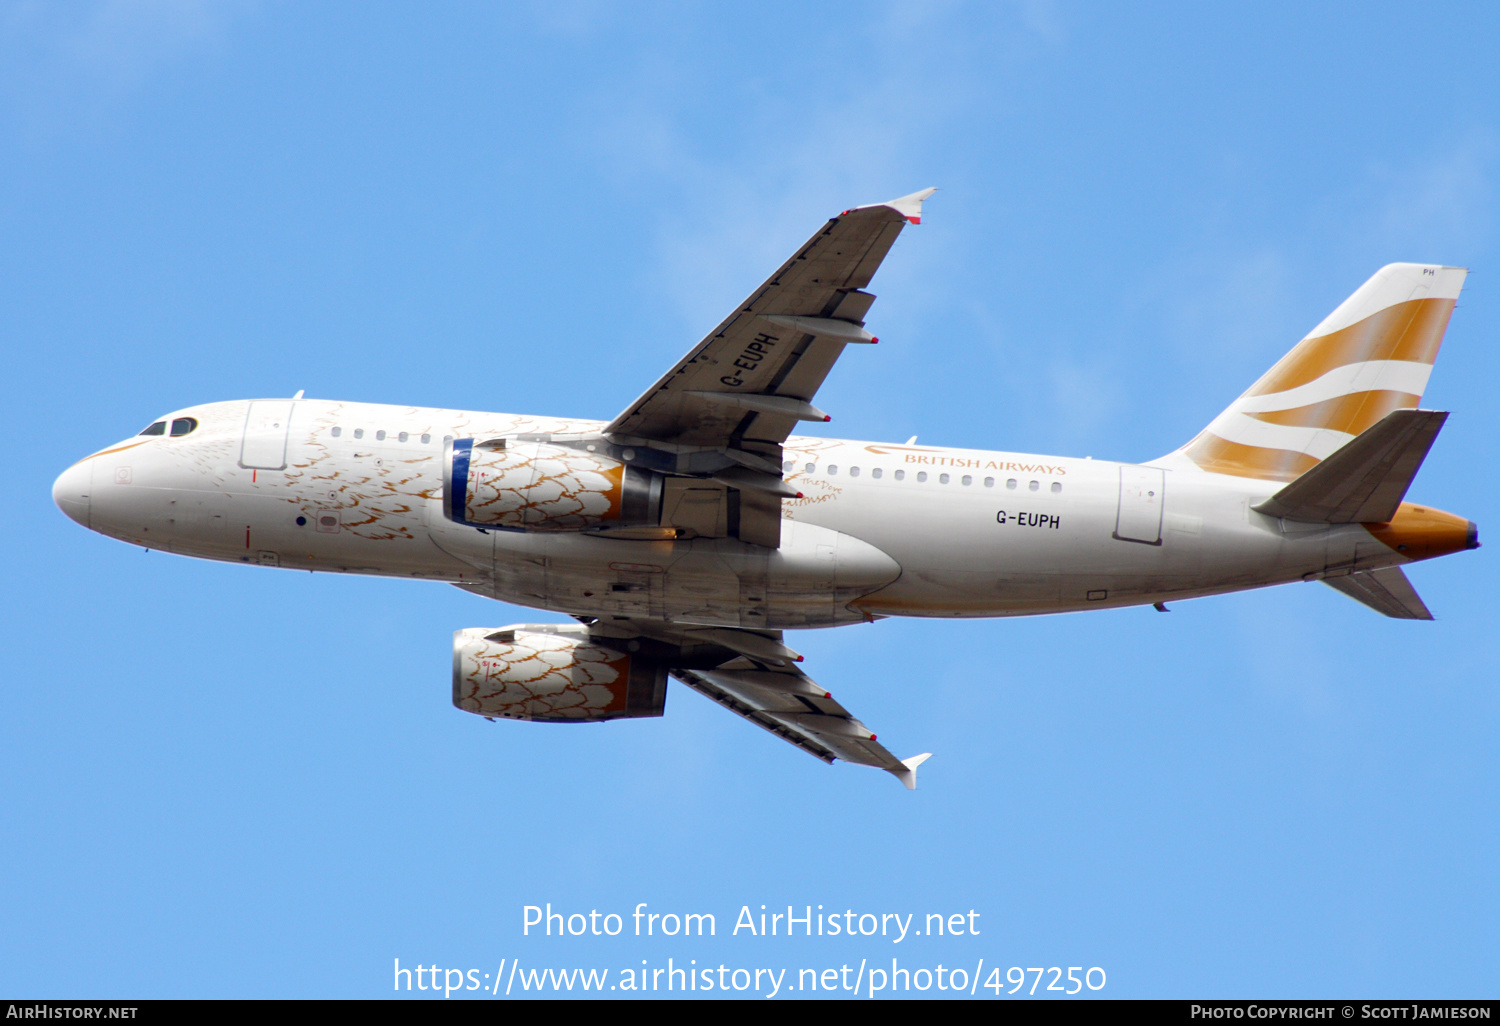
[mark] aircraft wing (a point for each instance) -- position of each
(752, 673)
(747, 384)
(788, 704)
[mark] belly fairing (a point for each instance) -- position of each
(809, 581)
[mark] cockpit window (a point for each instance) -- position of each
(182, 426)
(159, 428)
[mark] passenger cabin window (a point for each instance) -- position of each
(183, 426)
(337, 431)
(159, 428)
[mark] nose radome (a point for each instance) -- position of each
(71, 491)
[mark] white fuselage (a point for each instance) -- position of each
(881, 529)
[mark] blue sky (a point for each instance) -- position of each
(226, 781)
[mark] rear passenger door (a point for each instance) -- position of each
(1138, 517)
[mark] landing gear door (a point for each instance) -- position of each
(266, 425)
(1139, 515)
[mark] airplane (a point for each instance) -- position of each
(689, 533)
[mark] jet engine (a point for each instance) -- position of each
(556, 673)
(504, 483)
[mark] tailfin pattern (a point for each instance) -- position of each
(1371, 356)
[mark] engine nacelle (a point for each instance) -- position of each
(502, 483)
(556, 673)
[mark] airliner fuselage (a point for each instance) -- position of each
(881, 529)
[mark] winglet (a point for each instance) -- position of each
(908, 776)
(909, 207)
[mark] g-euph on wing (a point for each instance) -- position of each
(741, 391)
(752, 379)
(760, 680)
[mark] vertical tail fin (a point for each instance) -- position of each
(1369, 357)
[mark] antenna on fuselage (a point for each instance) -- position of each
(299, 393)
(912, 440)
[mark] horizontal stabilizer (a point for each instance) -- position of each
(1363, 482)
(1387, 591)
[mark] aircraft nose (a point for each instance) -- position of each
(71, 491)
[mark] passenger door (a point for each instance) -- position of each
(266, 425)
(1138, 518)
